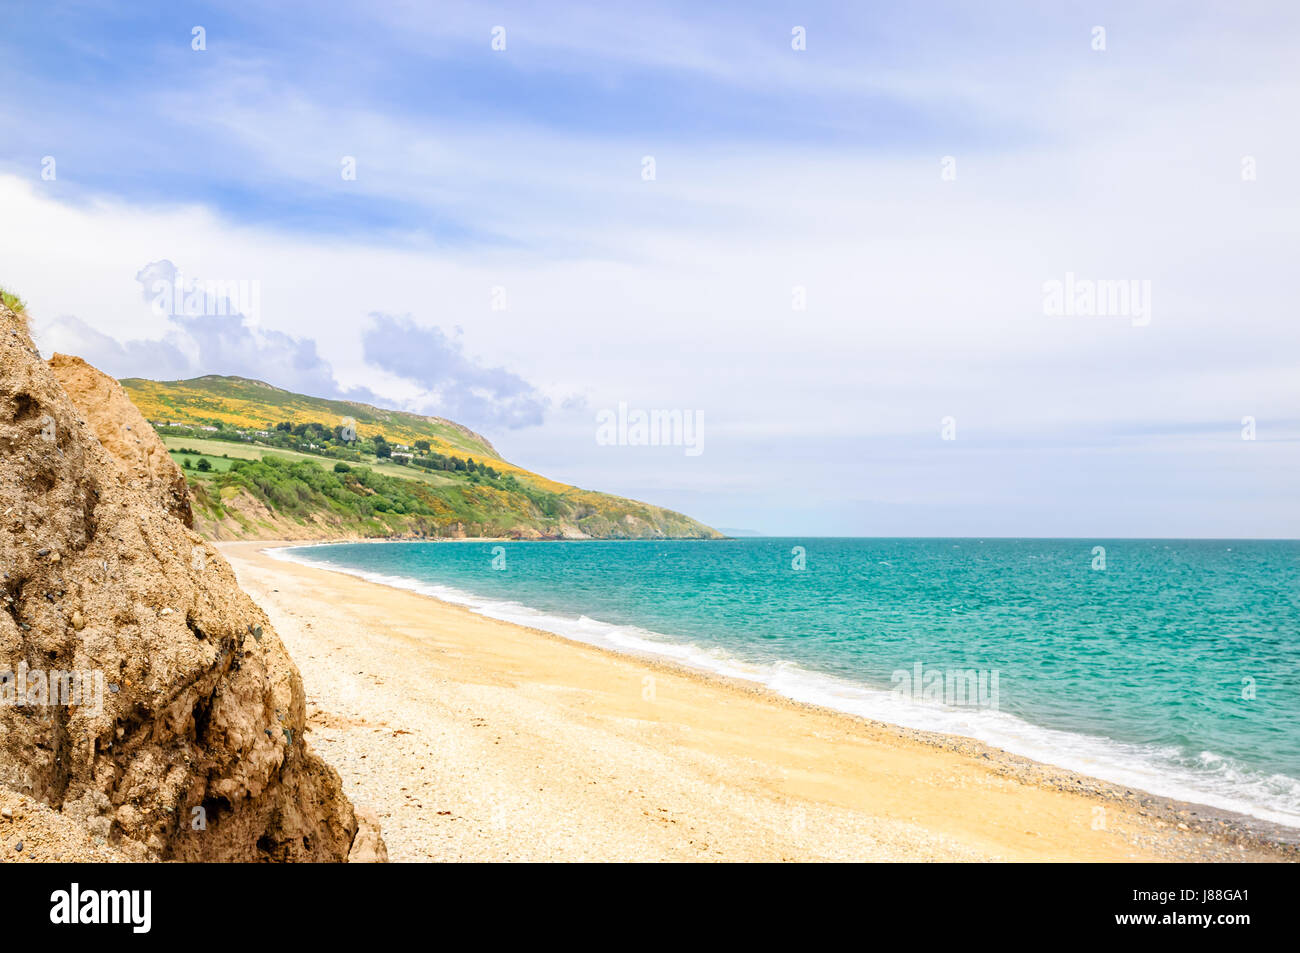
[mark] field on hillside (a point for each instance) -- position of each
(189, 462)
(216, 449)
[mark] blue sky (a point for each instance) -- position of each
(114, 90)
(515, 176)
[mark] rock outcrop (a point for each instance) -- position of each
(122, 430)
(142, 693)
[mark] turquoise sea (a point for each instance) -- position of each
(1174, 669)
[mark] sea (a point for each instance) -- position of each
(1169, 666)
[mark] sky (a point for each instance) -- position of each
(835, 237)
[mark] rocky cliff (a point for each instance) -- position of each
(125, 434)
(142, 693)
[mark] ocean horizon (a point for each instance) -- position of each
(1158, 664)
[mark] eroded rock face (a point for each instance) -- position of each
(122, 430)
(195, 750)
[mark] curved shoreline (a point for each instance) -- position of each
(1079, 753)
(1224, 835)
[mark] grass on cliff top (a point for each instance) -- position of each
(11, 301)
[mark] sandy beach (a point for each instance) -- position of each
(474, 739)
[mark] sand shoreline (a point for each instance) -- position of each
(783, 779)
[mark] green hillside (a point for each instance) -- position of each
(265, 462)
(243, 403)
